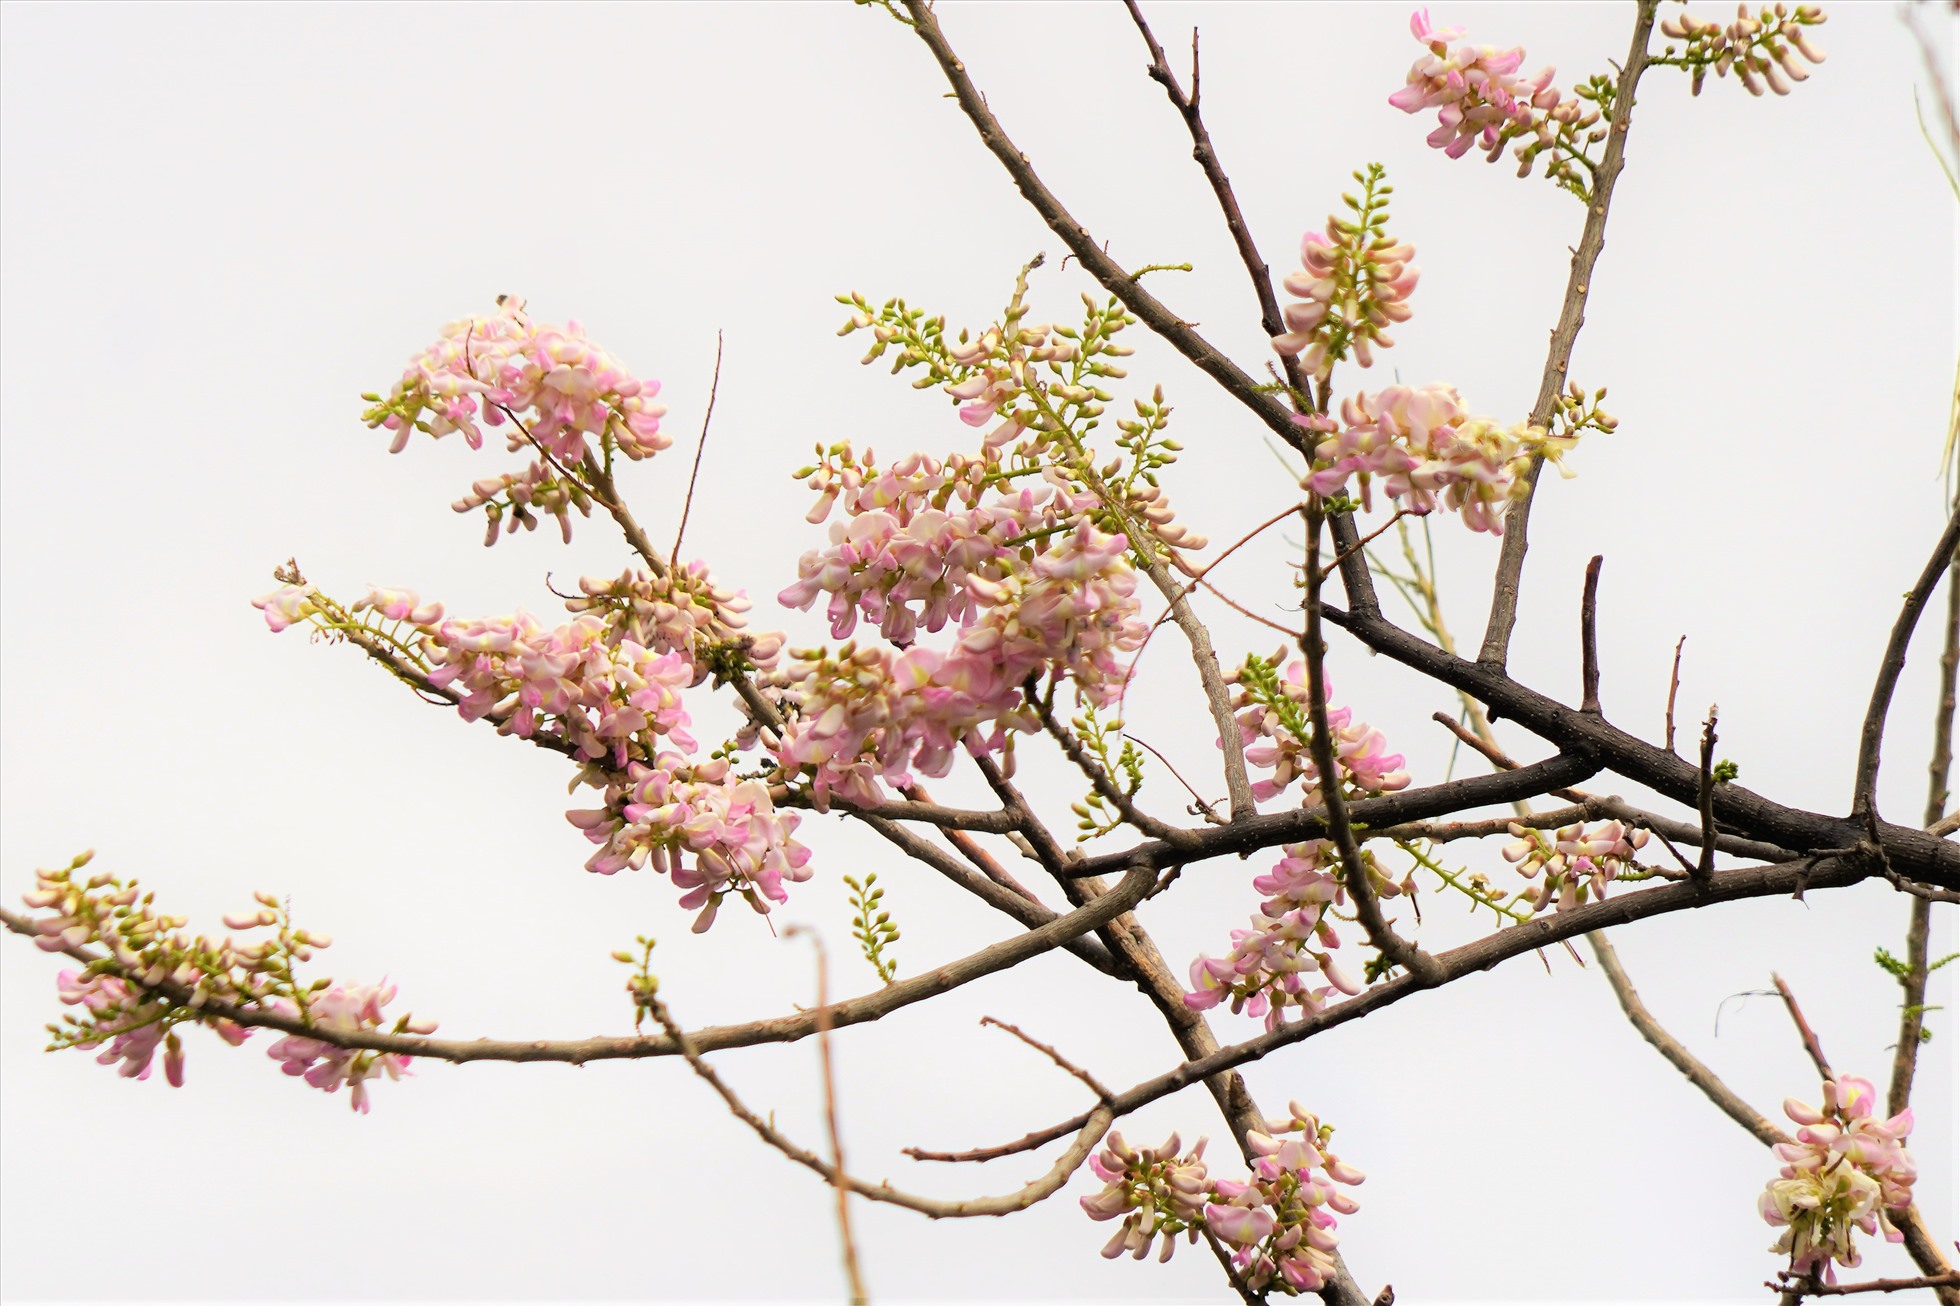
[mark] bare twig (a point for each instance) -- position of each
(1864, 797)
(1572, 316)
(687, 505)
(852, 1274)
(1094, 1085)
(1027, 1195)
(1678, 1055)
(1802, 1288)
(1673, 688)
(1705, 800)
(1809, 1036)
(1589, 639)
(1919, 923)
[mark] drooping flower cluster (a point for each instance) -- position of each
(604, 696)
(1062, 602)
(1281, 1223)
(1353, 282)
(342, 1009)
(684, 611)
(1274, 964)
(1480, 98)
(564, 397)
(1427, 450)
(1845, 1172)
(1278, 1226)
(1153, 1191)
(1767, 49)
(1577, 863)
(606, 688)
(714, 835)
(152, 978)
(1275, 729)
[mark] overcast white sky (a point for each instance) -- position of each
(219, 225)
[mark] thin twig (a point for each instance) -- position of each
(1558, 360)
(1589, 639)
(1804, 1288)
(1678, 1056)
(1864, 796)
(1360, 887)
(1809, 1036)
(1019, 1200)
(1673, 688)
(1919, 922)
(1094, 1085)
(852, 1275)
(1705, 802)
(687, 505)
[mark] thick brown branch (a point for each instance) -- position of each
(1558, 360)
(1913, 853)
(1725, 886)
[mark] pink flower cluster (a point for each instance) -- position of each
(602, 695)
(684, 611)
(1273, 727)
(1281, 1223)
(1576, 862)
(1846, 1170)
(1763, 50)
(867, 714)
(1278, 1226)
(1273, 965)
(1001, 376)
(135, 1023)
(153, 978)
(1153, 1190)
(1351, 285)
(1427, 449)
(607, 686)
(515, 499)
(662, 815)
(343, 1009)
(559, 388)
(1480, 98)
(906, 555)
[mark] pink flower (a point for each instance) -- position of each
(343, 1009)
(1844, 1172)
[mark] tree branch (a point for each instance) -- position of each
(1558, 360)
(1133, 888)
(1864, 797)
(1677, 1055)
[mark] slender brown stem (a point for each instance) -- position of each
(700, 447)
(1673, 688)
(1706, 796)
(1022, 1198)
(1807, 1289)
(1678, 1056)
(1919, 923)
(1589, 639)
(1321, 745)
(1864, 796)
(1809, 1036)
(1558, 361)
(852, 1274)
